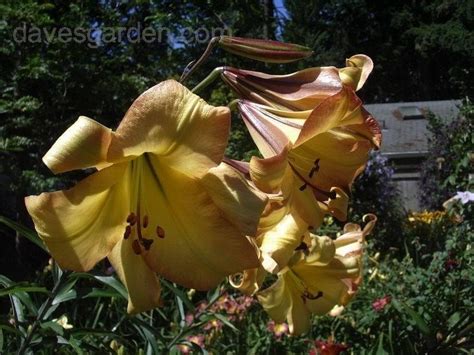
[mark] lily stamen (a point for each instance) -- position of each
(128, 231)
(308, 295)
(330, 194)
(160, 232)
(145, 221)
(146, 243)
(136, 247)
(315, 169)
(131, 219)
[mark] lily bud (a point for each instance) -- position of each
(264, 50)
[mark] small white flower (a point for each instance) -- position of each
(464, 196)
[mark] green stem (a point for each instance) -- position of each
(42, 312)
(208, 80)
(193, 325)
(195, 64)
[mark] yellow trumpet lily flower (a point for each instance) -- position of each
(310, 163)
(161, 201)
(318, 279)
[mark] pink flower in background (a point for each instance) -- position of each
(328, 347)
(379, 304)
(196, 339)
(278, 329)
(214, 324)
(451, 264)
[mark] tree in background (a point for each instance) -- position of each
(45, 83)
(422, 50)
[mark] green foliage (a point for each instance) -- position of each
(429, 310)
(374, 191)
(450, 157)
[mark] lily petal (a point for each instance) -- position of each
(357, 70)
(80, 226)
(236, 198)
(199, 245)
(142, 283)
(170, 121)
(302, 90)
(341, 109)
(279, 243)
(83, 145)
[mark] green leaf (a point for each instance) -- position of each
(19, 299)
(148, 336)
(55, 327)
(1, 340)
(22, 287)
(29, 234)
(65, 293)
(113, 283)
(380, 348)
(419, 322)
(179, 294)
(224, 320)
(110, 281)
(74, 343)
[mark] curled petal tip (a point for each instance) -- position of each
(357, 70)
(270, 264)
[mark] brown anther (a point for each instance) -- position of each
(302, 187)
(145, 221)
(160, 232)
(310, 296)
(128, 231)
(136, 247)
(131, 219)
(315, 169)
(303, 246)
(310, 228)
(146, 243)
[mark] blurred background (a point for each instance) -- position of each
(59, 60)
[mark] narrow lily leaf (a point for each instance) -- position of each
(22, 287)
(182, 296)
(114, 283)
(419, 322)
(55, 327)
(74, 343)
(224, 320)
(264, 50)
(62, 295)
(24, 231)
(19, 299)
(149, 337)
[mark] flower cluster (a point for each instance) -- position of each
(380, 303)
(164, 201)
(327, 347)
(279, 330)
(233, 307)
(426, 217)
